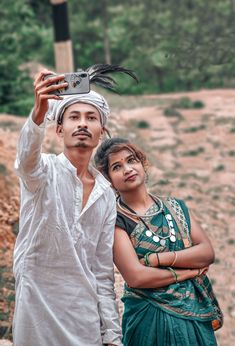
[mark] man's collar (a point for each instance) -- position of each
(95, 173)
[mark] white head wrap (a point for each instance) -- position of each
(57, 107)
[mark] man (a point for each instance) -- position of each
(63, 254)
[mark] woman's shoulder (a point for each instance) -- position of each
(179, 206)
(175, 201)
(125, 222)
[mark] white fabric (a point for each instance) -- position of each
(63, 255)
(57, 107)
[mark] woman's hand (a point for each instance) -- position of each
(152, 259)
(154, 262)
(203, 271)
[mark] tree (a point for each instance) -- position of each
(21, 38)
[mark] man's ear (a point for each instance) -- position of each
(102, 132)
(59, 130)
(106, 131)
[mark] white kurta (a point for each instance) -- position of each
(63, 262)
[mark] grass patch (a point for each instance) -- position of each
(163, 182)
(3, 169)
(4, 316)
(219, 168)
(198, 104)
(224, 120)
(142, 124)
(172, 112)
(15, 228)
(231, 153)
(195, 128)
(9, 125)
(194, 152)
(182, 184)
(231, 241)
(213, 281)
(186, 103)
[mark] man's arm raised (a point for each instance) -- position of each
(29, 165)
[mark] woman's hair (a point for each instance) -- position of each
(114, 145)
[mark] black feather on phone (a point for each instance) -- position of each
(98, 74)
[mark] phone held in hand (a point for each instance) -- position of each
(78, 83)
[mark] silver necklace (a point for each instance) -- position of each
(157, 238)
(149, 232)
(156, 199)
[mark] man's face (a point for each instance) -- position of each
(81, 127)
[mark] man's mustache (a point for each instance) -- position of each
(83, 131)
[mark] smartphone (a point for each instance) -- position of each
(78, 83)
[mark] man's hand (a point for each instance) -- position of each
(42, 90)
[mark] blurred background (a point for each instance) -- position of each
(181, 112)
(172, 44)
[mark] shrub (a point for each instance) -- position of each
(183, 102)
(231, 153)
(193, 152)
(198, 104)
(186, 103)
(3, 169)
(172, 112)
(195, 128)
(142, 124)
(219, 168)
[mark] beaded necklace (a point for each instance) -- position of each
(157, 238)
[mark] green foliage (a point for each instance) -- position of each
(186, 103)
(172, 112)
(3, 169)
(15, 228)
(142, 124)
(219, 168)
(198, 104)
(171, 45)
(231, 153)
(194, 152)
(163, 182)
(21, 40)
(231, 241)
(195, 128)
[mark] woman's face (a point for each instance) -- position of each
(126, 172)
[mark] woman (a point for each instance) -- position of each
(163, 256)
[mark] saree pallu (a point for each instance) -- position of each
(183, 313)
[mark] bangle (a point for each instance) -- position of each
(158, 260)
(146, 259)
(174, 260)
(173, 273)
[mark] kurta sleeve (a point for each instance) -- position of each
(104, 271)
(29, 164)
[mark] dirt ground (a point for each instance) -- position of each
(192, 155)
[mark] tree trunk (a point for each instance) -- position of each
(107, 52)
(62, 44)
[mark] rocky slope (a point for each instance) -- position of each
(190, 140)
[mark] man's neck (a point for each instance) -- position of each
(80, 159)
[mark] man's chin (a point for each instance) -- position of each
(81, 145)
